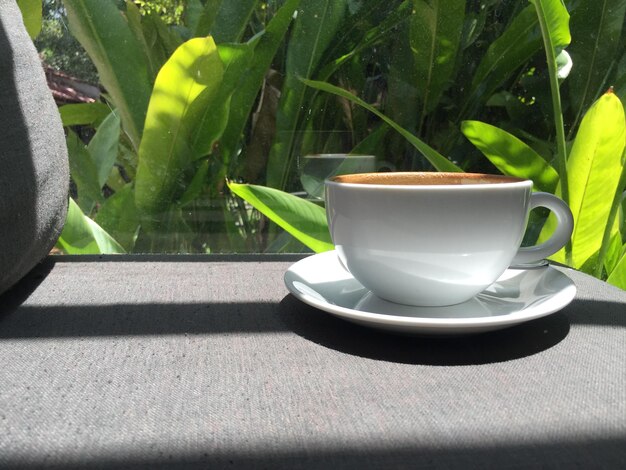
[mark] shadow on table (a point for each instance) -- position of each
(497, 346)
(606, 452)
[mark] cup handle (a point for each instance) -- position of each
(560, 237)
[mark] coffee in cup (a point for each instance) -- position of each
(435, 239)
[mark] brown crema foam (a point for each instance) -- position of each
(424, 178)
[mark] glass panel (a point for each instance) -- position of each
(168, 102)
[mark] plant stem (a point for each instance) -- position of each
(561, 156)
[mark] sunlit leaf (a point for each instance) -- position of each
(593, 170)
(555, 18)
(304, 220)
(618, 275)
(510, 155)
(31, 15)
(82, 236)
(166, 155)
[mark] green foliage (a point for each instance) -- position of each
(303, 219)
(438, 161)
(171, 11)
(184, 89)
(31, 15)
(241, 89)
(510, 155)
(83, 236)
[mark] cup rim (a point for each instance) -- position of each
(477, 180)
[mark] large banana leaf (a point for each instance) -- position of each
(212, 120)
(510, 155)
(315, 27)
(435, 32)
(82, 236)
(594, 169)
(304, 220)
(166, 155)
(596, 27)
(440, 162)
(250, 82)
(106, 36)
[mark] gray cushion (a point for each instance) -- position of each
(34, 173)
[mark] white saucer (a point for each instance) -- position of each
(518, 296)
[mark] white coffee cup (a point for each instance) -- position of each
(435, 239)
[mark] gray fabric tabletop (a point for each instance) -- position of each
(208, 362)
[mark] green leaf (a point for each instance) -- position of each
(614, 249)
(84, 114)
(31, 15)
(440, 162)
(435, 34)
(618, 276)
(147, 38)
(596, 28)
(166, 155)
(232, 19)
(205, 18)
(554, 17)
(103, 147)
(118, 216)
(106, 36)
(594, 169)
(83, 172)
(82, 236)
(513, 48)
(314, 31)
(402, 102)
(197, 183)
(247, 90)
(510, 155)
(304, 220)
(211, 113)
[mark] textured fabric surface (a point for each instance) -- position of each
(176, 362)
(34, 174)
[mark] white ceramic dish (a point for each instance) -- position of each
(518, 296)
